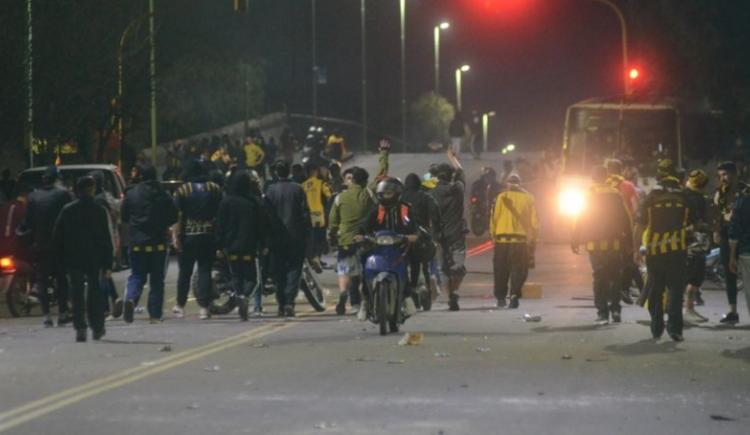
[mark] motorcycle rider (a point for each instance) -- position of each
(197, 203)
(449, 195)
(43, 208)
(514, 227)
(662, 224)
(82, 240)
(289, 201)
(698, 242)
(239, 225)
(606, 230)
(392, 214)
(149, 211)
(724, 199)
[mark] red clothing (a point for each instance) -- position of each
(11, 214)
(627, 190)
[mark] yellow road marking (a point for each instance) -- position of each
(19, 415)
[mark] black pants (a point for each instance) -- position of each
(288, 273)
(109, 293)
(510, 262)
(415, 267)
(244, 275)
(316, 244)
(46, 266)
(666, 271)
(88, 299)
(200, 250)
(607, 271)
(731, 278)
(630, 273)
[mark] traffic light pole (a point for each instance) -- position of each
(624, 32)
(152, 77)
(29, 133)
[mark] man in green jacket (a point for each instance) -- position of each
(345, 221)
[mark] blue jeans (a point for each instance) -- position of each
(151, 266)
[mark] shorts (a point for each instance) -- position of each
(349, 264)
(696, 269)
(454, 259)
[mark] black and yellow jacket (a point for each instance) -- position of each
(514, 218)
(665, 216)
(605, 223)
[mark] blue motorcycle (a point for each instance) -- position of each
(386, 278)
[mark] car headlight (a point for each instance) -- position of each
(572, 201)
(386, 240)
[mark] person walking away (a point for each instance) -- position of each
(82, 240)
(457, 130)
(254, 155)
(43, 208)
(739, 240)
(449, 195)
(426, 215)
(318, 193)
(605, 229)
(197, 203)
(514, 227)
(239, 225)
(12, 213)
(105, 200)
(699, 242)
(662, 225)
(149, 211)
(289, 201)
(630, 195)
(724, 199)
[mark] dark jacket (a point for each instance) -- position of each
(81, 236)
(605, 225)
(42, 211)
(739, 225)
(239, 224)
(450, 200)
(198, 204)
(396, 218)
(290, 202)
(424, 210)
(149, 211)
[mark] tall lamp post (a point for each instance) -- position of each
(120, 82)
(459, 72)
(29, 133)
(624, 33)
(436, 31)
(486, 128)
(152, 70)
(402, 9)
(363, 11)
(314, 63)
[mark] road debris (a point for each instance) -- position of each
(166, 348)
(411, 339)
(193, 406)
(601, 359)
(567, 357)
(534, 318)
(483, 349)
(324, 425)
(213, 368)
(362, 359)
(396, 361)
(258, 345)
(717, 417)
(442, 354)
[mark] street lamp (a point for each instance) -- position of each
(442, 26)
(459, 72)
(624, 31)
(486, 128)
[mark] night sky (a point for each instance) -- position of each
(529, 58)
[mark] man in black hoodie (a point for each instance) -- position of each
(197, 202)
(83, 242)
(289, 201)
(239, 226)
(44, 207)
(149, 211)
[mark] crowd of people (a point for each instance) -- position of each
(267, 225)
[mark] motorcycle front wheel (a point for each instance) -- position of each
(381, 309)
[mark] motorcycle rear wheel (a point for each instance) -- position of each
(312, 289)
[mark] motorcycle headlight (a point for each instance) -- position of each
(572, 201)
(386, 240)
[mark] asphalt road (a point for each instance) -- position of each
(481, 370)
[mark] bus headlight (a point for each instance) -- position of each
(572, 201)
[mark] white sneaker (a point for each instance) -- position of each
(178, 312)
(355, 310)
(362, 313)
(204, 314)
(110, 318)
(410, 308)
(692, 316)
(139, 310)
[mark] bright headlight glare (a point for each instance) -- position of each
(572, 201)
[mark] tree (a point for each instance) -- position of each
(431, 115)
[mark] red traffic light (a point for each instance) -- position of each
(634, 73)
